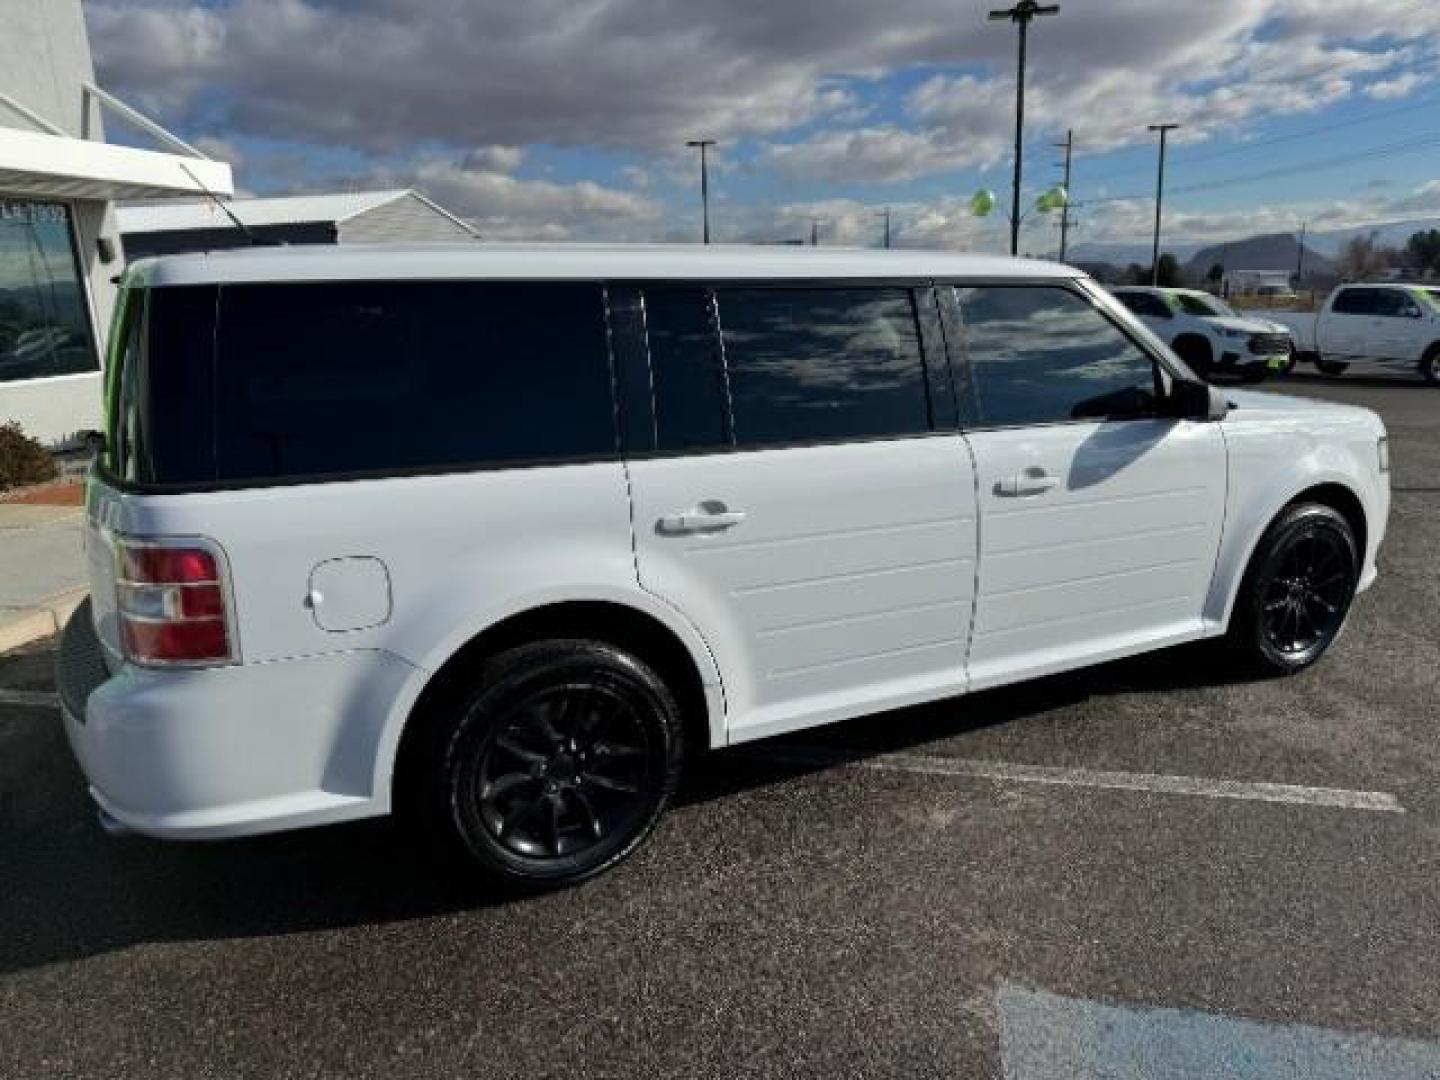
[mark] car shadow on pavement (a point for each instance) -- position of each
(68, 892)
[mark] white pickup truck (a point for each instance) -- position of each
(1395, 326)
(1208, 335)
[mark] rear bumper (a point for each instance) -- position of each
(204, 754)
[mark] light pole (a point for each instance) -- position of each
(1021, 14)
(886, 215)
(1164, 130)
(1069, 146)
(703, 145)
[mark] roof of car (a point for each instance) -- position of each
(579, 262)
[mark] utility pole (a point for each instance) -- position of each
(1022, 14)
(814, 232)
(1069, 147)
(1300, 255)
(1164, 130)
(703, 145)
(886, 215)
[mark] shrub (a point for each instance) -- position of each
(23, 460)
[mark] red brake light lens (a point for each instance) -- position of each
(171, 604)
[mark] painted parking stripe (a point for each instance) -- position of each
(968, 768)
(34, 699)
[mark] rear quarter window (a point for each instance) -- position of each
(335, 379)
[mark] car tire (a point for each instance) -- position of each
(1290, 361)
(1297, 590)
(1332, 368)
(1430, 366)
(554, 767)
(1197, 354)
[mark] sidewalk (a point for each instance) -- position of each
(42, 570)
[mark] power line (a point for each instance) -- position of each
(1410, 146)
(1183, 157)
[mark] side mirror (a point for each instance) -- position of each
(1197, 401)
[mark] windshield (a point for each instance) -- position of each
(1203, 305)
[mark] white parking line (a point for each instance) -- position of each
(969, 768)
(35, 699)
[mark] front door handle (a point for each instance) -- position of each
(706, 517)
(1029, 482)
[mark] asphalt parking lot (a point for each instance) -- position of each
(1144, 870)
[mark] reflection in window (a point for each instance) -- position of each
(811, 365)
(44, 323)
(689, 385)
(1044, 355)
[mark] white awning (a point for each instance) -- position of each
(41, 165)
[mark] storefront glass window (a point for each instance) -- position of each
(44, 320)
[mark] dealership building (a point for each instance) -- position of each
(60, 249)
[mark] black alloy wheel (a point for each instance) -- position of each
(567, 768)
(557, 767)
(1298, 590)
(1430, 366)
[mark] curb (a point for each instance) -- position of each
(40, 620)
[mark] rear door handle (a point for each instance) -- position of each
(706, 517)
(1029, 482)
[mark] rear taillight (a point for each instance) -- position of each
(171, 604)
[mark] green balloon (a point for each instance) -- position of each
(982, 202)
(1055, 199)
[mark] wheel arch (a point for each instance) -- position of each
(686, 666)
(1334, 493)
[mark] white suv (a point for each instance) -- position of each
(495, 536)
(1209, 335)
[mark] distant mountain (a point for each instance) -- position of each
(1278, 252)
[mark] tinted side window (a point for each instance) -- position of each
(178, 394)
(687, 377)
(813, 365)
(352, 378)
(1145, 304)
(1391, 303)
(1043, 355)
(1354, 302)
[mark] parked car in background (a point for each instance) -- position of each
(1394, 326)
(497, 536)
(1208, 335)
(1273, 283)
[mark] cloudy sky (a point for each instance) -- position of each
(567, 118)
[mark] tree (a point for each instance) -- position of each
(1170, 275)
(1363, 257)
(1135, 274)
(1216, 274)
(1423, 250)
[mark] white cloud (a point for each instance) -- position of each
(383, 74)
(504, 207)
(1398, 87)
